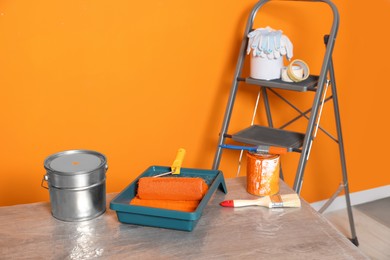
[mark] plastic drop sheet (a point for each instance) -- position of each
(30, 232)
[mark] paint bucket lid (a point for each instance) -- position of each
(75, 161)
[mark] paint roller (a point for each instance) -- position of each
(173, 192)
(171, 188)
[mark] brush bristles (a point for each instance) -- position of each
(285, 200)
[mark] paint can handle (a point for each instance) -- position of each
(44, 179)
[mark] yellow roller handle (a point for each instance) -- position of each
(176, 165)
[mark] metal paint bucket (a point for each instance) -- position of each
(77, 184)
(262, 174)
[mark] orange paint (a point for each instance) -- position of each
(181, 205)
(262, 174)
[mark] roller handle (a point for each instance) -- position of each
(176, 165)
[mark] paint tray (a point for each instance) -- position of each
(165, 218)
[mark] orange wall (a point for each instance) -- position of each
(136, 80)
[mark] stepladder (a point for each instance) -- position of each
(322, 89)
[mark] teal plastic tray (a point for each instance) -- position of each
(165, 218)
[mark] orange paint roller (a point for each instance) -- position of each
(171, 188)
(174, 193)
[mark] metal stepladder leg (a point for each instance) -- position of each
(344, 185)
(306, 152)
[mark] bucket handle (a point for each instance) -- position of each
(44, 179)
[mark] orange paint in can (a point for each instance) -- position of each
(262, 174)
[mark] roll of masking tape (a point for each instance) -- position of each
(296, 77)
(297, 70)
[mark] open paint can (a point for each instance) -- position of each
(77, 184)
(262, 174)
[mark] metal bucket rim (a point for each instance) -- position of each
(263, 156)
(75, 151)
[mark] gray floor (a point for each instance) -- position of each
(372, 223)
(378, 210)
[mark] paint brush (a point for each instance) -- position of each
(274, 201)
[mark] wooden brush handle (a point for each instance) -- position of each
(257, 202)
(274, 201)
